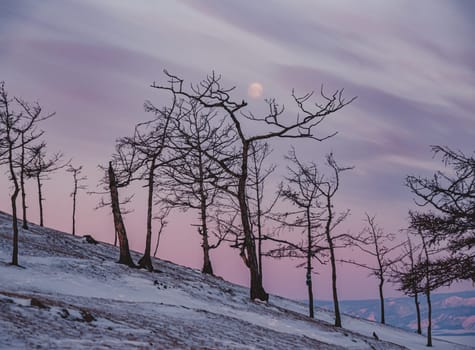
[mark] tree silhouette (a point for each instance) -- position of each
(450, 222)
(18, 128)
(39, 167)
(379, 245)
(78, 178)
(313, 191)
(211, 94)
(150, 144)
(258, 175)
(192, 180)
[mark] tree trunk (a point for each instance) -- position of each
(146, 260)
(429, 304)
(381, 298)
(125, 257)
(157, 244)
(336, 305)
(259, 226)
(74, 210)
(15, 226)
(14, 196)
(429, 318)
(334, 288)
(22, 184)
(207, 266)
(257, 290)
(418, 313)
(40, 198)
(309, 266)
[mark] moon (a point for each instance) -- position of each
(255, 90)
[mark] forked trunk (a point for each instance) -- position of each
(119, 226)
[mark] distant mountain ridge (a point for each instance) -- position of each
(452, 313)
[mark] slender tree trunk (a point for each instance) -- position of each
(15, 227)
(428, 286)
(418, 313)
(429, 318)
(336, 305)
(22, 184)
(207, 266)
(157, 243)
(13, 198)
(146, 260)
(334, 288)
(74, 210)
(259, 227)
(256, 290)
(309, 266)
(119, 226)
(75, 191)
(381, 298)
(40, 198)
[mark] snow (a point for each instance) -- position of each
(89, 301)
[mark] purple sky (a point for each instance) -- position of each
(411, 64)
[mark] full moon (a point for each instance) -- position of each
(255, 90)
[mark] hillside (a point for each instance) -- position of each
(70, 294)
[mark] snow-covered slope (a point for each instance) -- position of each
(70, 294)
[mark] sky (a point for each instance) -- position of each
(411, 65)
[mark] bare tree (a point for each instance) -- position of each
(39, 167)
(302, 190)
(193, 180)
(423, 277)
(408, 260)
(327, 187)
(377, 244)
(211, 94)
(428, 287)
(18, 128)
(258, 175)
(78, 178)
(118, 174)
(120, 230)
(22, 163)
(313, 191)
(450, 222)
(149, 143)
(162, 223)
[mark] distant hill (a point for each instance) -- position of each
(452, 313)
